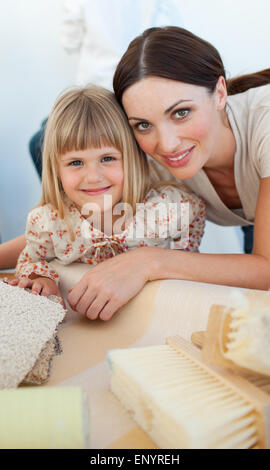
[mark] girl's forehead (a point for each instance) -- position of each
(90, 152)
(79, 142)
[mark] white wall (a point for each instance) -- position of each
(35, 69)
(239, 29)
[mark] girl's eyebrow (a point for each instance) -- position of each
(109, 151)
(69, 158)
(165, 112)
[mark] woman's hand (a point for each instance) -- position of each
(111, 284)
(39, 286)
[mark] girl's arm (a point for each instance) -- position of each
(34, 259)
(39, 286)
(10, 251)
(111, 284)
(33, 270)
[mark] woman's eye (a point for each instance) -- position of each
(76, 163)
(142, 126)
(181, 113)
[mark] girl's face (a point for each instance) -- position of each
(178, 124)
(88, 175)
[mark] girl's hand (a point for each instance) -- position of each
(39, 286)
(110, 285)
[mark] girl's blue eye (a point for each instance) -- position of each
(108, 158)
(181, 113)
(76, 163)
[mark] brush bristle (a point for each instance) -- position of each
(178, 403)
(248, 343)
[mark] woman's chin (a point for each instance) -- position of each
(183, 173)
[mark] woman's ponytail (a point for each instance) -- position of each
(245, 82)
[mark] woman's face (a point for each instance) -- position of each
(178, 124)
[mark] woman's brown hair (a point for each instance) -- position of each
(177, 54)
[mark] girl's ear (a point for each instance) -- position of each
(221, 93)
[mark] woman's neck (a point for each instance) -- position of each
(220, 169)
(222, 160)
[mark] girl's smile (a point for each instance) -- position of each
(87, 175)
(96, 191)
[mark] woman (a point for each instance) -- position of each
(173, 89)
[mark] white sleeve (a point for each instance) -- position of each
(181, 216)
(73, 26)
(39, 248)
(260, 141)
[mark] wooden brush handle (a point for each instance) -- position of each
(197, 338)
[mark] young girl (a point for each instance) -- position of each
(91, 163)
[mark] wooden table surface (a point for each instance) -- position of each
(8, 275)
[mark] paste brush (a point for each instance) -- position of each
(181, 402)
(238, 338)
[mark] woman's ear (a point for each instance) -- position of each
(221, 93)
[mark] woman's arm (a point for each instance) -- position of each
(10, 251)
(249, 271)
(111, 284)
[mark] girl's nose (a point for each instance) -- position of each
(93, 174)
(169, 141)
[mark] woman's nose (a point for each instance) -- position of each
(168, 141)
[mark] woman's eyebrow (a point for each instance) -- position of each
(175, 104)
(165, 112)
(136, 118)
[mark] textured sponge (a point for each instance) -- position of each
(28, 340)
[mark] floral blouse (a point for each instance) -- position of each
(166, 213)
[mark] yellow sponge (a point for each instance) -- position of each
(43, 418)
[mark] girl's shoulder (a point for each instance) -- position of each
(43, 216)
(43, 210)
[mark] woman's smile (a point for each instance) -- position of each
(179, 159)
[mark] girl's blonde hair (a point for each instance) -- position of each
(91, 117)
